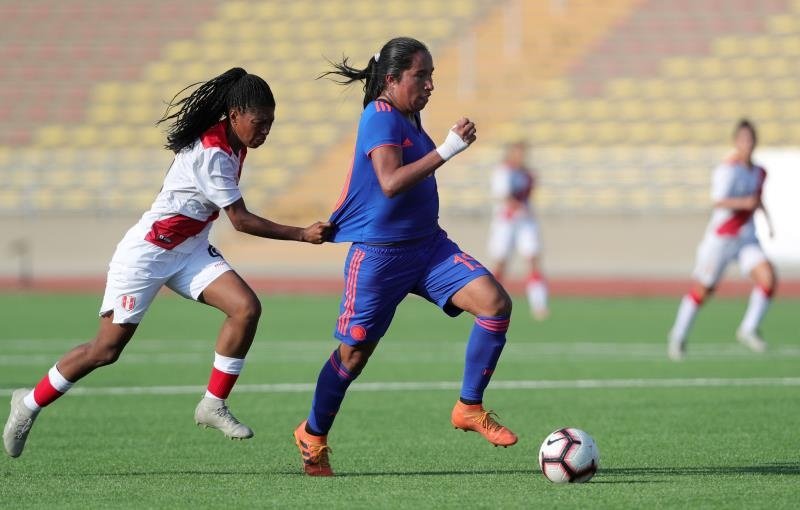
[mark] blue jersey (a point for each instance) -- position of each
(363, 213)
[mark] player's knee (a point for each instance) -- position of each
(354, 359)
(103, 355)
(248, 311)
(499, 303)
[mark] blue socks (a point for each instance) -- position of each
(485, 344)
(332, 383)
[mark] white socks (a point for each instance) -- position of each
(757, 307)
(536, 290)
(683, 322)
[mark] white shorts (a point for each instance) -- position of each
(139, 269)
(716, 252)
(506, 234)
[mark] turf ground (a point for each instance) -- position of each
(716, 431)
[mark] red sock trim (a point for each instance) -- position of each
(44, 393)
(220, 384)
(535, 277)
(766, 290)
(694, 296)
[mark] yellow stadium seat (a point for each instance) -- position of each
(597, 109)
(235, 11)
(216, 31)
(710, 68)
(698, 110)
(790, 46)
(107, 92)
(677, 67)
(655, 88)
(622, 88)
(785, 24)
(641, 132)
(181, 51)
(778, 67)
(85, 136)
(743, 67)
(760, 46)
(53, 135)
(720, 88)
(729, 46)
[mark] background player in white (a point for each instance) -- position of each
(210, 135)
(736, 191)
(514, 225)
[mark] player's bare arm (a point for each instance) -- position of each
(249, 223)
(748, 203)
(394, 177)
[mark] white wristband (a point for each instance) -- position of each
(451, 146)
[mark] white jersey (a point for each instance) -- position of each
(517, 183)
(734, 179)
(203, 178)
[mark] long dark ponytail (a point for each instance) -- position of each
(211, 102)
(395, 57)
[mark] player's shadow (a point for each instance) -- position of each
(770, 468)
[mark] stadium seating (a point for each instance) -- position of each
(626, 103)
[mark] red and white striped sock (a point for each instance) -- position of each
(223, 376)
(52, 386)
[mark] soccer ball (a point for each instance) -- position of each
(569, 455)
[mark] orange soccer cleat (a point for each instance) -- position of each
(314, 450)
(475, 417)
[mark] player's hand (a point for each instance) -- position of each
(466, 129)
(317, 233)
(460, 136)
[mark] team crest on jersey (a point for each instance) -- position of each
(407, 143)
(358, 332)
(128, 302)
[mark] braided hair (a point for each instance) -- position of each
(211, 102)
(396, 56)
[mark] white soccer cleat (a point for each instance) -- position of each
(751, 340)
(20, 421)
(215, 414)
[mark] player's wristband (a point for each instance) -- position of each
(452, 145)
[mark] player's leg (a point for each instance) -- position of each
(125, 302)
(365, 312)
(713, 256)
(26, 404)
(529, 246)
(209, 279)
(500, 245)
(456, 281)
(753, 262)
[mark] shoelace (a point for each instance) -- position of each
(225, 413)
(22, 428)
(487, 421)
(318, 454)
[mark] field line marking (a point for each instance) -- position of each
(449, 385)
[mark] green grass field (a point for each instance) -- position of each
(719, 430)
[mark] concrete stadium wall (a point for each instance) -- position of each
(616, 246)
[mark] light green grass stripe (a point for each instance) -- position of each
(451, 385)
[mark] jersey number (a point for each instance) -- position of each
(467, 260)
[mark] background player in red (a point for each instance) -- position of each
(731, 234)
(514, 225)
(389, 210)
(210, 135)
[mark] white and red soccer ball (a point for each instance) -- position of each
(569, 455)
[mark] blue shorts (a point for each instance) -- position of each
(377, 278)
